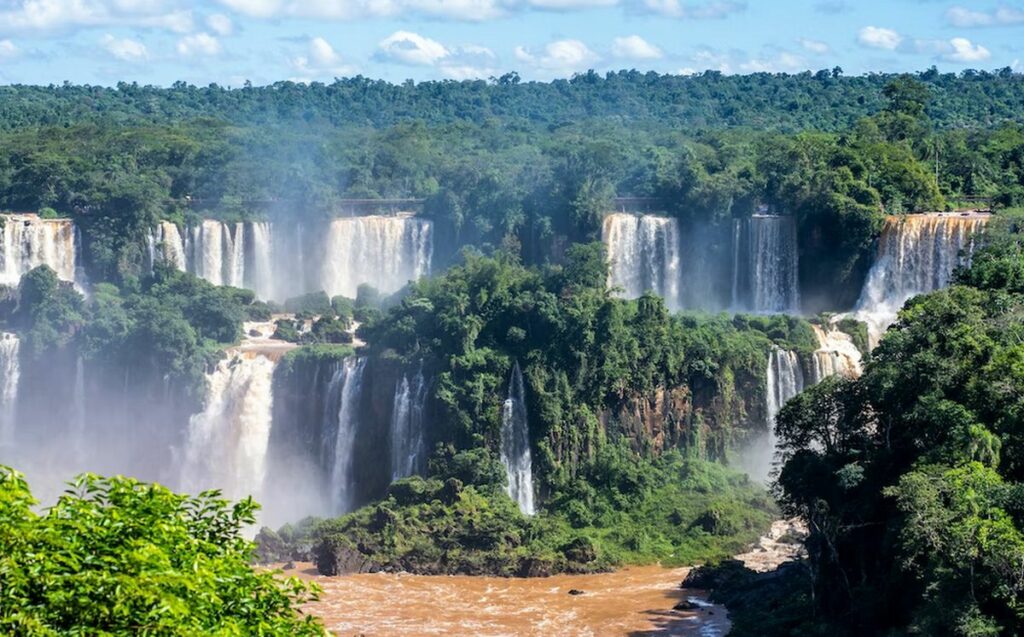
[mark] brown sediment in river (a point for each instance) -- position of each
(633, 601)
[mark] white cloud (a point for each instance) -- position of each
(769, 60)
(633, 47)
(694, 10)
(411, 48)
(220, 24)
(558, 5)
(8, 50)
(561, 57)
(965, 51)
(814, 46)
(255, 8)
(23, 16)
(199, 44)
(320, 61)
(966, 18)
(125, 48)
(879, 38)
(777, 62)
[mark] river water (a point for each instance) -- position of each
(633, 601)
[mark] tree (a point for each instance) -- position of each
(116, 556)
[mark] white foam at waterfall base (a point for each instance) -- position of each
(916, 254)
(643, 255)
(227, 442)
(836, 355)
(515, 444)
(27, 242)
(346, 384)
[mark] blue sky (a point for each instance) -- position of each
(230, 41)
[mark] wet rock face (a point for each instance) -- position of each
(654, 422)
(334, 558)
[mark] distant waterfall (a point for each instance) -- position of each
(166, 246)
(26, 242)
(784, 379)
(408, 441)
(385, 252)
(765, 265)
(261, 280)
(206, 246)
(916, 254)
(227, 442)
(10, 375)
(644, 254)
(515, 444)
(836, 355)
(346, 384)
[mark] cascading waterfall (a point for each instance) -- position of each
(916, 254)
(346, 384)
(261, 280)
(234, 266)
(644, 254)
(408, 439)
(784, 379)
(227, 442)
(166, 245)
(206, 247)
(836, 354)
(515, 444)
(10, 375)
(26, 242)
(765, 265)
(383, 251)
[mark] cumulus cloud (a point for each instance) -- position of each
(411, 48)
(320, 61)
(558, 58)
(633, 47)
(255, 8)
(879, 38)
(125, 49)
(455, 62)
(8, 50)
(220, 24)
(967, 18)
(964, 51)
(198, 44)
(694, 10)
(814, 46)
(27, 16)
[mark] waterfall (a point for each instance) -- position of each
(916, 254)
(207, 251)
(836, 354)
(644, 254)
(765, 265)
(10, 374)
(385, 252)
(784, 379)
(28, 242)
(515, 444)
(408, 441)
(227, 442)
(166, 245)
(262, 275)
(346, 383)
(234, 263)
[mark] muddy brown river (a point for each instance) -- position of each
(632, 601)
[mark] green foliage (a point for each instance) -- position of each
(910, 477)
(115, 556)
(312, 355)
(626, 511)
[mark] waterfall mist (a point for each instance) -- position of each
(408, 438)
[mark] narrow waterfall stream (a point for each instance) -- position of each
(765, 265)
(10, 376)
(408, 438)
(346, 384)
(515, 444)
